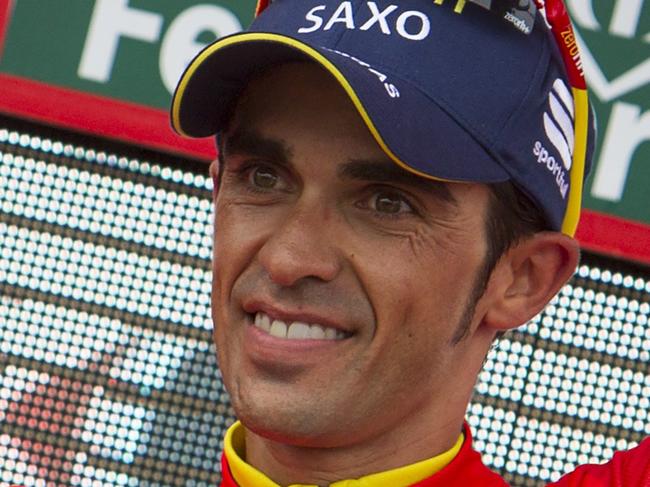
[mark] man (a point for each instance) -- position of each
(398, 185)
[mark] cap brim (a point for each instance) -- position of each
(428, 142)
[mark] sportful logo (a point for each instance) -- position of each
(559, 128)
(560, 122)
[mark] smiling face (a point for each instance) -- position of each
(340, 279)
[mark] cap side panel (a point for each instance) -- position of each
(572, 215)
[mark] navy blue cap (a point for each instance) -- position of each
(448, 93)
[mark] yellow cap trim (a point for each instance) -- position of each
(312, 53)
(572, 214)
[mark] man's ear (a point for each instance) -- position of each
(527, 277)
(215, 174)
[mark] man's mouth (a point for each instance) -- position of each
(296, 330)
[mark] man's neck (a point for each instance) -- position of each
(287, 464)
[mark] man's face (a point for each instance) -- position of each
(369, 269)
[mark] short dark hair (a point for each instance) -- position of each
(511, 217)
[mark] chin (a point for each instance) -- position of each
(291, 420)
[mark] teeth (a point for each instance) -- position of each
(296, 330)
(317, 332)
(263, 321)
(279, 329)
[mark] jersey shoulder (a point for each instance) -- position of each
(626, 469)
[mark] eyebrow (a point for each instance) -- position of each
(384, 171)
(250, 142)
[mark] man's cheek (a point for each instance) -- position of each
(227, 232)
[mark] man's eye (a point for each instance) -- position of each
(263, 178)
(390, 204)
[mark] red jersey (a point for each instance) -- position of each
(626, 469)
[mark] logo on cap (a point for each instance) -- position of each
(558, 126)
(559, 121)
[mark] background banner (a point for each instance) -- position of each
(109, 67)
(108, 372)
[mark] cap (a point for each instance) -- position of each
(448, 90)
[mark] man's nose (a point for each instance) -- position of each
(302, 246)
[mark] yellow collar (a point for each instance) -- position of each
(247, 476)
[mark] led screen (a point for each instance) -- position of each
(108, 376)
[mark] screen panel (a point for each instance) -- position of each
(108, 374)
(573, 385)
(107, 369)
